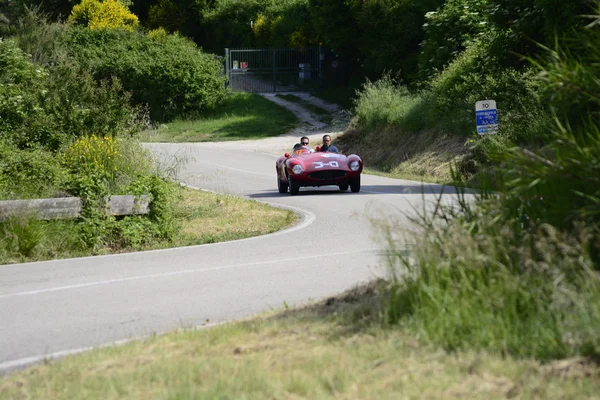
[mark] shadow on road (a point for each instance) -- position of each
(369, 190)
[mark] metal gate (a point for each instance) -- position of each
(274, 70)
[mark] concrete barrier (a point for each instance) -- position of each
(70, 207)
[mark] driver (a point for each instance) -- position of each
(303, 146)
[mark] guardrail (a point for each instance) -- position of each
(70, 207)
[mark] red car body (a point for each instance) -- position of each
(317, 169)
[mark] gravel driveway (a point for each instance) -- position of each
(309, 126)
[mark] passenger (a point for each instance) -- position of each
(327, 146)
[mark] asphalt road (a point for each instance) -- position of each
(54, 308)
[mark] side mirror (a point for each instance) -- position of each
(287, 155)
(318, 148)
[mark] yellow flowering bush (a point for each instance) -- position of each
(99, 153)
(158, 34)
(106, 14)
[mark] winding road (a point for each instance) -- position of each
(54, 308)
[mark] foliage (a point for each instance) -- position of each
(533, 22)
(30, 173)
(284, 24)
(103, 14)
(242, 116)
(169, 74)
(449, 31)
(183, 16)
(517, 271)
(228, 24)
(36, 36)
(22, 89)
(51, 106)
(446, 104)
(22, 235)
(97, 153)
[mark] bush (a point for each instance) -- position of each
(29, 173)
(103, 14)
(116, 162)
(449, 31)
(517, 271)
(169, 74)
(22, 90)
(49, 107)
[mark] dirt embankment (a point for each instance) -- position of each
(424, 156)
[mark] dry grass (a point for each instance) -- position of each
(205, 215)
(424, 156)
(334, 349)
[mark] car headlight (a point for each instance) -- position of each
(354, 165)
(297, 169)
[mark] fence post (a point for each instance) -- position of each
(274, 72)
(227, 63)
(321, 61)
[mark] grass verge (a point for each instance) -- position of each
(335, 349)
(393, 153)
(202, 217)
(244, 116)
(322, 114)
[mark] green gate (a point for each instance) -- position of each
(274, 70)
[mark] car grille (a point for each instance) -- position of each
(331, 174)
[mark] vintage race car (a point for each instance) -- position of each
(305, 167)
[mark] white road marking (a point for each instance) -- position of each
(22, 362)
(175, 273)
(308, 218)
(242, 170)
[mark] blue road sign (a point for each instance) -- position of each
(486, 117)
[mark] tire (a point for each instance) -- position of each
(355, 184)
(344, 186)
(282, 186)
(294, 187)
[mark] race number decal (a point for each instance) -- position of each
(320, 164)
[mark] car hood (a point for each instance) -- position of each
(319, 160)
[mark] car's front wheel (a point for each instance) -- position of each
(355, 184)
(282, 186)
(294, 187)
(344, 186)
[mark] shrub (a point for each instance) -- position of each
(82, 106)
(93, 152)
(22, 235)
(22, 89)
(105, 14)
(116, 162)
(50, 107)
(448, 32)
(29, 173)
(517, 271)
(169, 74)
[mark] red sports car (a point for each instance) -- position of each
(305, 167)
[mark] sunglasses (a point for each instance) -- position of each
(304, 142)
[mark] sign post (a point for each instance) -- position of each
(486, 116)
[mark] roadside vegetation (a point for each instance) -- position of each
(336, 349)
(322, 114)
(501, 296)
(74, 97)
(242, 116)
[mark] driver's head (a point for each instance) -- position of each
(304, 141)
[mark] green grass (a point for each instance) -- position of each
(201, 217)
(335, 349)
(322, 114)
(245, 116)
(344, 96)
